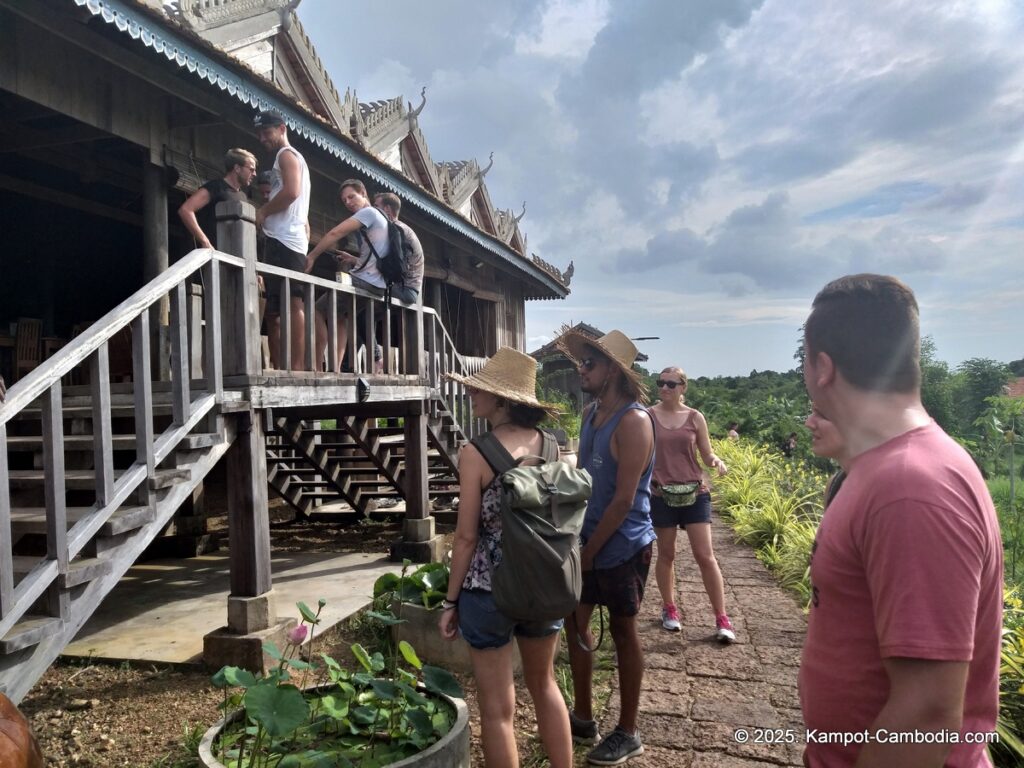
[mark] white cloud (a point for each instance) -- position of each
(709, 164)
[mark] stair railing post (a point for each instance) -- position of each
(240, 301)
(6, 550)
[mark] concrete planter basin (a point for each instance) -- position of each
(450, 751)
(420, 631)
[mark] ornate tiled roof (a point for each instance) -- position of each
(455, 182)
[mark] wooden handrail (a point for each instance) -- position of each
(25, 391)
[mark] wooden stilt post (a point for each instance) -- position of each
(419, 541)
(251, 616)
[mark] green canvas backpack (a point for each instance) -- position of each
(542, 509)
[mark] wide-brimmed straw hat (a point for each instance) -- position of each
(615, 345)
(510, 375)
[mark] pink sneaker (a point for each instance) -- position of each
(670, 618)
(725, 634)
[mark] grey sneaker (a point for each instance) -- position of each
(583, 731)
(617, 747)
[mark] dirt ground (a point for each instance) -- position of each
(146, 716)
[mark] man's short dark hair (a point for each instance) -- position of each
(388, 200)
(356, 184)
(267, 119)
(870, 326)
(265, 177)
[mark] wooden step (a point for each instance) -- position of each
(25, 520)
(165, 478)
(34, 443)
(79, 571)
(199, 440)
(28, 632)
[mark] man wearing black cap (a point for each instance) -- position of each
(283, 220)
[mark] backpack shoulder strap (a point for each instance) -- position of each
(549, 449)
(494, 453)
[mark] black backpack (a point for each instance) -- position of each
(542, 509)
(392, 265)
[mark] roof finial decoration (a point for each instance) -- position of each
(490, 162)
(523, 213)
(414, 113)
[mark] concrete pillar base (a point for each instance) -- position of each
(224, 647)
(418, 551)
(251, 614)
(418, 529)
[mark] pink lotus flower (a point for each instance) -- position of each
(296, 635)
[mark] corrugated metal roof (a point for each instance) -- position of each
(136, 23)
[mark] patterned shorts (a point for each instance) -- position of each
(619, 588)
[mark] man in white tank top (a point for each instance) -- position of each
(284, 219)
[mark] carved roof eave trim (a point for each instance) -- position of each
(299, 41)
(487, 206)
(226, 13)
(415, 144)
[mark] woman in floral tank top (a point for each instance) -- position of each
(503, 394)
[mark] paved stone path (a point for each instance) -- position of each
(696, 693)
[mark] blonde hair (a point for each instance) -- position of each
(679, 372)
(236, 156)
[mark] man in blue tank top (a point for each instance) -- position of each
(617, 448)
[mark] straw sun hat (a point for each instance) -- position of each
(510, 375)
(614, 345)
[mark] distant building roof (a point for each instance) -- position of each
(550, 350)
(1015, 388)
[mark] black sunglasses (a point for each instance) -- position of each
(588, 363)
(670, 384)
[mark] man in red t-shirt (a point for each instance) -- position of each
(901, 662)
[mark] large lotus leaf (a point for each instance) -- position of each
(364, 715)
(385, 689)
(362, 656)
(334, 706)
(236, 676)
(313, 759)
(441, 681)
(413, 696)
(386, 583)
(377, 662)
(436, 579)
(433, 598)
(420, 721)
(409, 654)
(279, 709)
(410, 591)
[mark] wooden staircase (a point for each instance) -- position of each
(356, 462)
(90, 476)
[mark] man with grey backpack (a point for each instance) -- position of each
(617, 449)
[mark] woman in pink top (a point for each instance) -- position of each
(681, 433)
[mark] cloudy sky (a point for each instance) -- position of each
(709, 164)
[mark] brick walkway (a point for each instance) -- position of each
(696, 693)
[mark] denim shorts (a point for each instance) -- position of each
(664, 516)
(484, 626)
